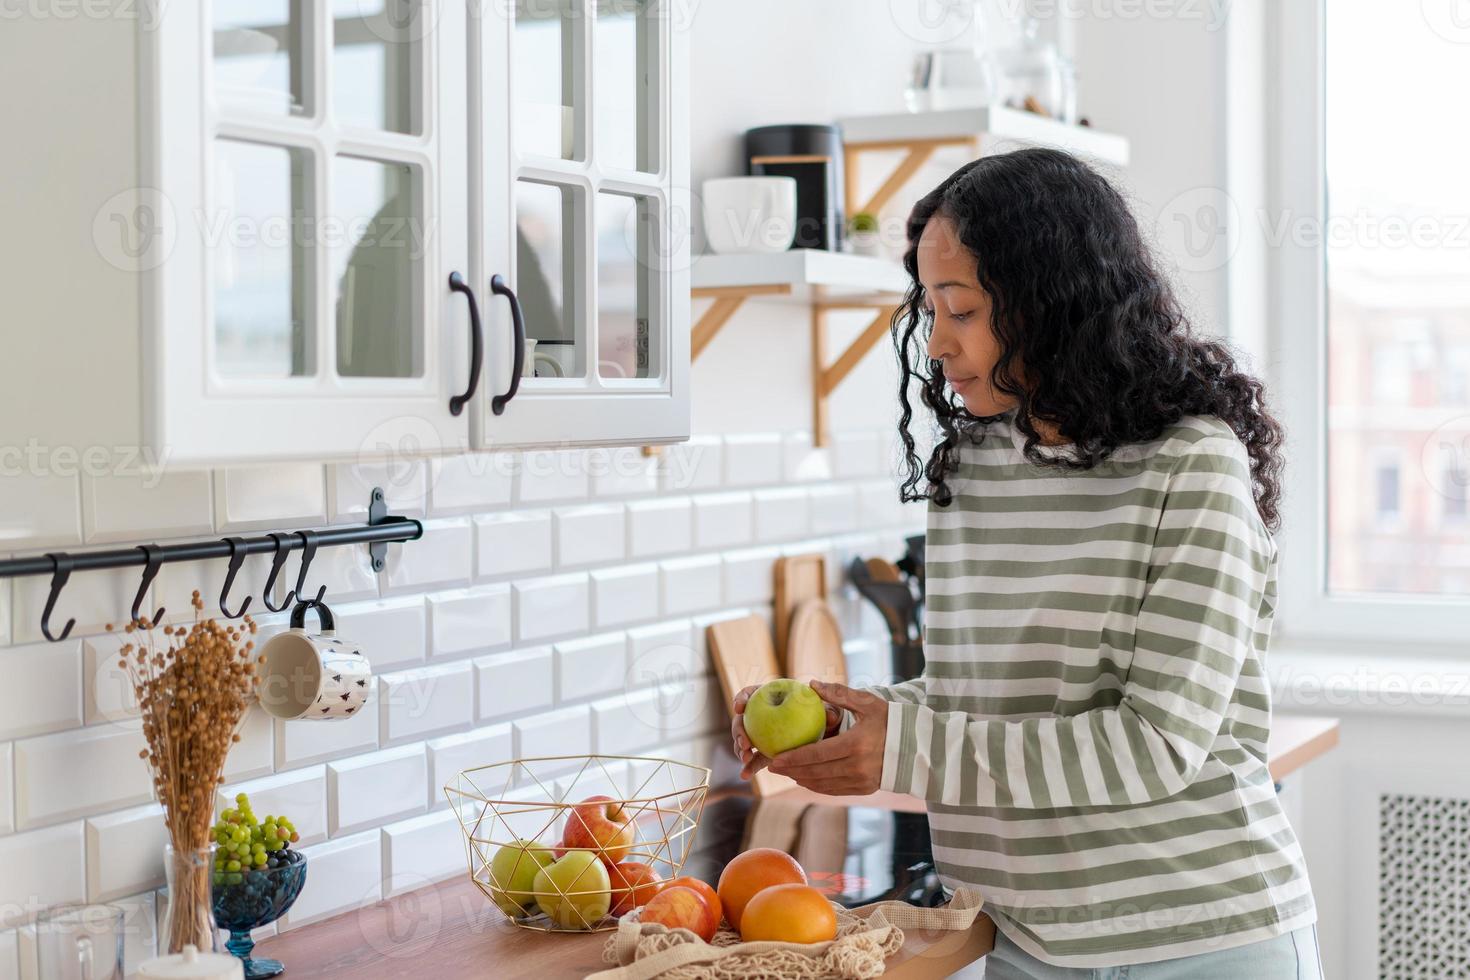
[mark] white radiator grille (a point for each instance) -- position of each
(1423, 888)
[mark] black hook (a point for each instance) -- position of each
(61, 571)
(308, 552)
(277, 563)
(237, 558)
(150, 571)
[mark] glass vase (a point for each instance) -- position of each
(189, 920)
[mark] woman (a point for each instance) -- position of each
(1090, 729)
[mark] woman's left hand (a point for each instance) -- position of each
(849, 764)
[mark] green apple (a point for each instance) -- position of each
(575, 891)
(784, 714)
(514, 869)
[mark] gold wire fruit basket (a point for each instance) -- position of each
(570, 843)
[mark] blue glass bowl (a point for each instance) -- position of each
(246, 900)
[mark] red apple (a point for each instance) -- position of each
(709, 894)
(633, 884)
(601, 824)
(681, 908)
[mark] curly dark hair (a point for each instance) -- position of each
(1081, 310)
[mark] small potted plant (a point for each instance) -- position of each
(862, 235)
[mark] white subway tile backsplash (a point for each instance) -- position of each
(856, 453)
(178, 581)
(660, 527)
(390, 633)
(42, 867)
(722, 520)
(752, 460)
(470, 482)
(781, 514)
(7, 784)
(551, 475)
(748, 575)
(42, 689)
(300, 795)
(691, 465)
(878, 504)
(422, 851)
(346, 572)
(124, 507)
(691, 708)
(690, 584)
(803, 462)
(590, 535)
(404, 483)
(552, 606)
(453, 754)
(567, 731)
(834, 509)
(270, 497)
(368, 790)
(517, 541)
(627, 723)
(305, 742)
(125, 852)
(622, 471)
(591, 666)
(624, 595)
(75, 773)
(40, 511)
(515, 682)
(345, 874)
(469, 620)
(254, 753)
(414, 703)
(443, 556)
(661, 653)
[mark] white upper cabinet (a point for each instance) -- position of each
(582, 127)
(259, 229)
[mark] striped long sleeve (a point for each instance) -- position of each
(1195, 626)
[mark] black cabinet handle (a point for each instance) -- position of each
(477, 343)
(518, 359)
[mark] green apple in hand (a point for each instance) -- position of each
(513, 870)
(575, 891)
(784, 714)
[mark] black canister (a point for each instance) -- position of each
(813, 155)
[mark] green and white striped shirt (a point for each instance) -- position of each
(1090, 729)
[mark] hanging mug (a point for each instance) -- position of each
(312, 675)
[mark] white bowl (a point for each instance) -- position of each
(750, 214)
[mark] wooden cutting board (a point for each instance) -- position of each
(798, 578)
(742, 654)
(814, 648)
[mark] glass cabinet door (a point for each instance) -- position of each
(584, 163)
(332, 206)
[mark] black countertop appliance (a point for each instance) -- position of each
(812, 154)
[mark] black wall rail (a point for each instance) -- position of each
(381, 529)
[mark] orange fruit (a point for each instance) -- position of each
(748, 873)
(789, 914)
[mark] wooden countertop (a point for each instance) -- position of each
(450, 931)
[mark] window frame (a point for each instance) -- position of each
(1296, 360)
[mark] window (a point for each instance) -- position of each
(1394, 245)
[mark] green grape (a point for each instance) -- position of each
(242, 799)
(219, 879)
(234, 879)
(232, 866)
(260, 859)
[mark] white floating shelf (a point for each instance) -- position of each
(986, 124)
(803, 275)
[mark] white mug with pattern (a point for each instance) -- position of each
(319, 676)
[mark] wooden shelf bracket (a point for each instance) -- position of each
(918, 153)
(826, 377)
